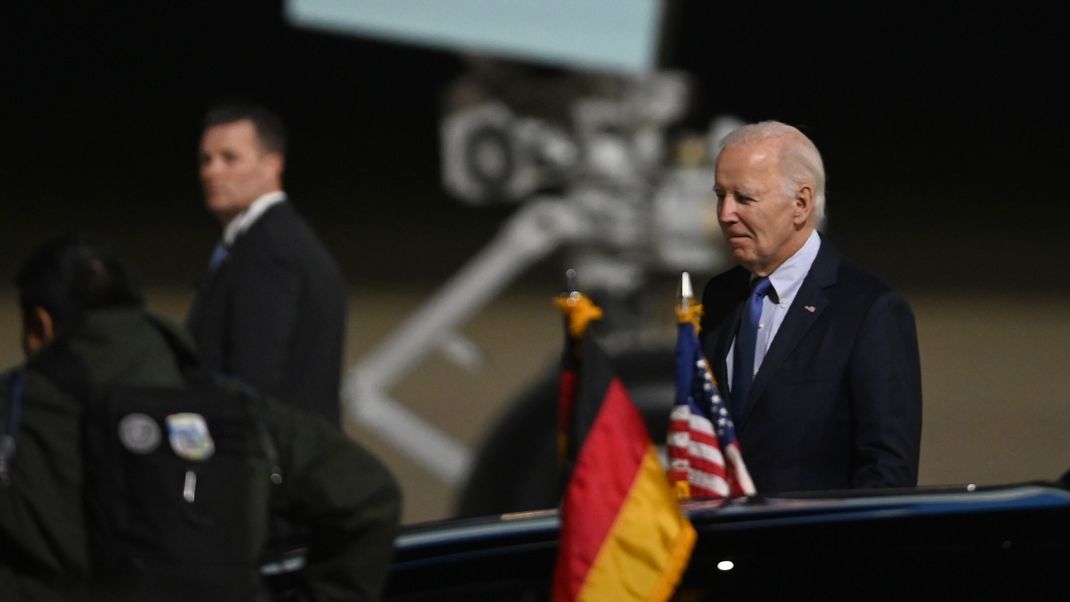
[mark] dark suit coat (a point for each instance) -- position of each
(273, 313)
(836, 403)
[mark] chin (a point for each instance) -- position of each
(742, 256)
(216, 204)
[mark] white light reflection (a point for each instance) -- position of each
(725, 565)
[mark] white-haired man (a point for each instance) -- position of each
(820, 357)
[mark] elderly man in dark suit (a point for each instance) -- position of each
(271, 311)
(819, 356)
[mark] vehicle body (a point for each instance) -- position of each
(950, 543)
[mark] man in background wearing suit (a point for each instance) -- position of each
(271, 310)
(819, 356)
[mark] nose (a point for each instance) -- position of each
(209, 167)
(726, 209)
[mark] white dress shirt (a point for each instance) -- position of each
(245, 219)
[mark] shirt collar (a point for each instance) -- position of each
(787, 278)
(246, 218)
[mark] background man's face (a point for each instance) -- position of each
(755, 214)
(235, 168)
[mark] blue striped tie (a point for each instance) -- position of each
(746, 338)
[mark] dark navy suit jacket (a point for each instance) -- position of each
(273, 314)
(836, 403)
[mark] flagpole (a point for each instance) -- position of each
(686, 293)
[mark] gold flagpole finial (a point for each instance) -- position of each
(687, 310)
(578, 308)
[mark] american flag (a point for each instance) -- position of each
(704, 456)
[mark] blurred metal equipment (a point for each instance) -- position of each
(587, 154)
(605, 188)
(531, 234)
(488, 154)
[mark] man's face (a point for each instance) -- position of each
(235, 168)
(762, 225)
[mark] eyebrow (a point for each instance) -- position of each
(738, 190)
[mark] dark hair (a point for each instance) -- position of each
(73, 274)
(268, 125)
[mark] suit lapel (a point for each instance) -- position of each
(722, 304)
(206, 292)
(810, 302)
(722, 343)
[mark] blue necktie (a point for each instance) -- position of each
(743, 361)
(219, 253)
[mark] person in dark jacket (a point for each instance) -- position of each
(83, 309)
(271, 310)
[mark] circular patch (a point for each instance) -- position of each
(139, 433)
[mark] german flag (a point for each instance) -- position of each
(623, 535)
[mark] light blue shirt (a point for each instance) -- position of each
(785, 280)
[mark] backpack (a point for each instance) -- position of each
(177, 492)
(178, 485)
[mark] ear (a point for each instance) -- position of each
(804, 205)
(38, 328)
(275, 163)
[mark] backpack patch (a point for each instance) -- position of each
(189, 437)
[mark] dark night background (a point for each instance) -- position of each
(944, 133)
